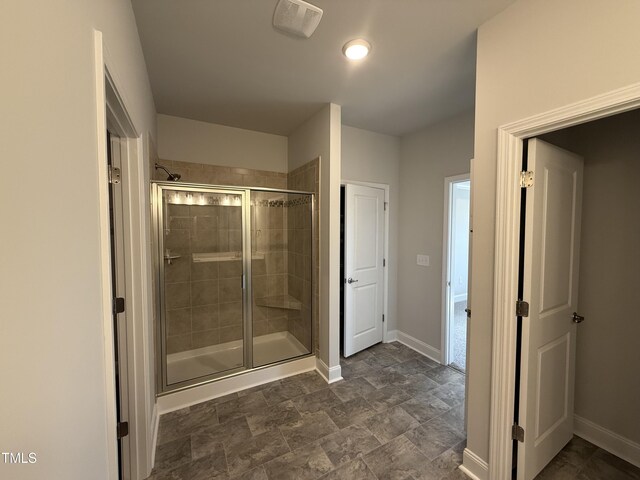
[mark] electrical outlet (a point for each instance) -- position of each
(423, 260)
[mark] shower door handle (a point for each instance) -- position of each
(351, 280)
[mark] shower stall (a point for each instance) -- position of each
(234, 280)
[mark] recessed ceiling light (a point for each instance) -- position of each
(356, 49)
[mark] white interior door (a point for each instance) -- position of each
(552, 244)
(364, 274)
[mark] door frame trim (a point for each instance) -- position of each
(112, 112)
(509, 158)
(385, 272)
(446, 260)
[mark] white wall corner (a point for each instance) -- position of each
(473, 466)
(331, 375)
(391, 336)
(607, 440)
(155, 423)
(419, 346)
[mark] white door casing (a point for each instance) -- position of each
(364, 272)
(551, 264)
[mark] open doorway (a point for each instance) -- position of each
(456, 270)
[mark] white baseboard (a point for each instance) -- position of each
(155, 423)
(473, 466)
(607, 440)
(191, 396)
(331, 375)
(419, 346)
(391, 336)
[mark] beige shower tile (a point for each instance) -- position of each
(204, 270)
(230, 314)
(177, 295)
(204, 292)
(230, 289)
(204, 318)
(231, 268)
(178, 343)
(228, 334)
(275, 262)
(179, 321)
(206, 338)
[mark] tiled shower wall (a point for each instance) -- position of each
(204, 300)
(305, 178)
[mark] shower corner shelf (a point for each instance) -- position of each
(286, 302)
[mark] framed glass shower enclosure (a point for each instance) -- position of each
(233, 280)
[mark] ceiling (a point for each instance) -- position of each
(221, 61)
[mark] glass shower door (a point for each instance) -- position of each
(201, 244)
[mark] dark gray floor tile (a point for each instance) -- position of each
(603, 465)
(386, 348)
(283, 390)
(350, 412)
(433, 438)
(558, 469)
(255, 451)
(380, 360)
(284, 413)
(442, 375)
(354, 470)
(387, 397)
(446, 462)
(183, 422)
(450, 393)
(309, 428)
(350, 389)
(408, 367)
(348, 444)
(240, 406)
(577, 451)
(256, 474)
(212, 467)
(306, 463)
(456, 474)
(173, 454)
(356, 369)
(420, 384)
(311, 381)
(315, 401)
(385, 377)
(357, 357)
(397, 460)
(455, 417)
(404, 353)
(425, 408)
(390, 423)
(206, 440)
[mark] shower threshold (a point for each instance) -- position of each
(270, 348)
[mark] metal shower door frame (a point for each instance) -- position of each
(157, 205)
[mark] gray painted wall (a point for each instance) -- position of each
(52, 345)
(586, 48)
(607, 353)
(374, 157)
(426, 158)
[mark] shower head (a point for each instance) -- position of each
(173, 177)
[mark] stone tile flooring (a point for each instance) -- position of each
(581, 460)
(396, 415)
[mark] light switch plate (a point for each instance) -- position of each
(423, 260)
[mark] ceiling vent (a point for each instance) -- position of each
(297, 17)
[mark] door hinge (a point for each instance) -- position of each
(522, 308)
(118, 305)
(386, 204)
(383, 317)
(526, 179)
(384, 262)
(468, 310)
(517, 432)
(122, 429)
(114, 175)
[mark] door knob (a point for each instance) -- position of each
(577, 318)
(351, 280)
